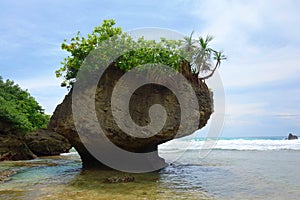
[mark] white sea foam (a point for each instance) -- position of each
(233, 144)
(71, 152)
(181, 145)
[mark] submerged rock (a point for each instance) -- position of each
(13, 147)
(119, 179)
(142, 99)
(45, 142)
(6, 175)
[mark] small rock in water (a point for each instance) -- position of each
(119, 179)
(292, 137)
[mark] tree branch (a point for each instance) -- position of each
(212, 72)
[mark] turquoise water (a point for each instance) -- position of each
(236, 173)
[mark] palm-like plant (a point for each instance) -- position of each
(188, 48)
(218, 56)
(202, 57)
(189, 43)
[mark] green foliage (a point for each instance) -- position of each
(79, 47)
(20, 109)
(166, 52)
(197, 53)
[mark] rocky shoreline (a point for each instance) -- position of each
(43, 142)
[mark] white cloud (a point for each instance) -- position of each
(245, 109)
(260, 68)
(261, 40)
(244, 114)
(244, 30)
(38, 83)
(228, 19)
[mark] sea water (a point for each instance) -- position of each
(234, 168)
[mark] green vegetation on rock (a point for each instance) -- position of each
(19, 110)
(189, 56)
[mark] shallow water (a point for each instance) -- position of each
(223, 174)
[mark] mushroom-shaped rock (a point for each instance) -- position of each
(140, 104)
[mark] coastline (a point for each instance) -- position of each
(223, 174)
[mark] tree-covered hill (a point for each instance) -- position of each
(19, 110)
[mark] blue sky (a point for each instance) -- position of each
(261, 38)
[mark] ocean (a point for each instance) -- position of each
(233, 168)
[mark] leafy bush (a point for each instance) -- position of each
(20, 109)
(167, 52)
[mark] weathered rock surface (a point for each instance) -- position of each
(5, 127)
(13, 147)
(143, 98)
(292, 137)
(44, 142)
(16, 146)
